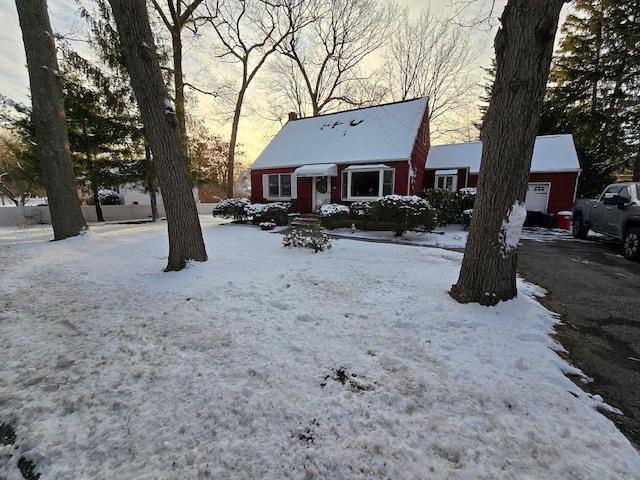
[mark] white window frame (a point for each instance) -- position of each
(266, 190)
(444, 177)
(346, 179)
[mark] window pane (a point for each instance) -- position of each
(387, 182)
(449, 183)
(285, 185)
(365, 184)
(274, 187)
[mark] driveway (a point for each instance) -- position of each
(597, 293)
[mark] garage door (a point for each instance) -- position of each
(537, 197)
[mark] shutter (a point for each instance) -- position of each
(265, 186)
(294, 187)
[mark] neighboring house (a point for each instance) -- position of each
(344, 157)
(552, 180)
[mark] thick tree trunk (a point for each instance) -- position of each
(524, 46)
(137, 48)
(49, 119)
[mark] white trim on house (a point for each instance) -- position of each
(448, 180)
(378, 166)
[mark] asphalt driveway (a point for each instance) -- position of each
(597, 293)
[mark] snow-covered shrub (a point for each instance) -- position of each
(404, 213)
(468, 196)
(109, 197)
(235, 208)
(269, 212)
(317, 241)
(333, 209)
(267, 225)
(448, 204)
(360, 209)
(334, 215)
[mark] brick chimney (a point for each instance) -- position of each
(293, 116)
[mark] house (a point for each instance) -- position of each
(367, 153)
(552, 180)
(344, 157)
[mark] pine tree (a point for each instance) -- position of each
(593, 88)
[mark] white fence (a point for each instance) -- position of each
(111, 213)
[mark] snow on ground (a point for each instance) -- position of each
(274, 363)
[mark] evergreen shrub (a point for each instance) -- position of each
(317, 241)
(236, 208)
(403, 213)
(276, 212)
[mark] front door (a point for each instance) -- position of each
(321, 191)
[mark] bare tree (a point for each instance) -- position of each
(437, 62)
(323, 58)
(249, 32)
(179, 14)
(523, 48)
(140, 58)
(49, 119)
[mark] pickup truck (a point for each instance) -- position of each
(615, 213)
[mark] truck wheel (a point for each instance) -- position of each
(578, 229)
(631, 244)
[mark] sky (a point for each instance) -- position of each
(254, 133)
(270, 362)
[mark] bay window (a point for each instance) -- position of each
(366, 182)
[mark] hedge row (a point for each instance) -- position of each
(395, 213)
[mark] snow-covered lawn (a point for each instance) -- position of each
(272, 363)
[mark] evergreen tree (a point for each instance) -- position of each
(593, 88)
(103, 130)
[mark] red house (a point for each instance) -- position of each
(344, 157)
(552, 180)
(367, 153)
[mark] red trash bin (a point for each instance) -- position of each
(563, 220)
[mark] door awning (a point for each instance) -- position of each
(317, 170)
(447, 172)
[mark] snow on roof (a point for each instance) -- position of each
(551, 153)
(382, 133)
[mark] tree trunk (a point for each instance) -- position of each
(95, 191)
(96, 201)
(178, 80)
(137, 48)
(151, 184)
(524, 46)
(49, 119)
(231, 159)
